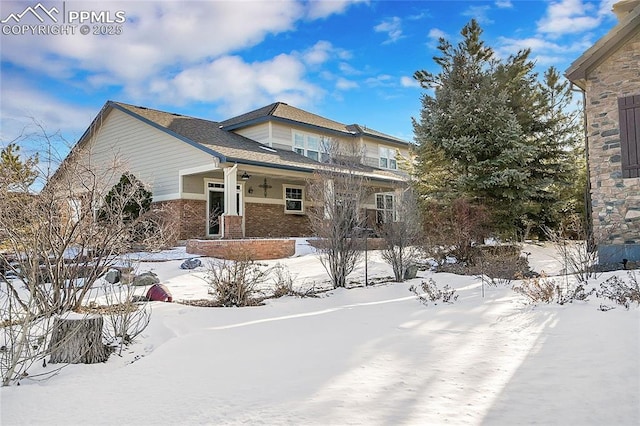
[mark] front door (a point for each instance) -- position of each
(215, 206)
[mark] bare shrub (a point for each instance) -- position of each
(23, 336)
(337, 194)
(236, 282)
(578, 257)
(454, 228)
(544, 290)
(283, 283)
(402, 235)
(55, 243)
(500, 264)
(127, 314)
(59, 243)
(538, 289)
(621, 292)
(431, 293)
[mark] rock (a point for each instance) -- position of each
(191, 263)
(410, 272)
(145, 279)
(112, 276)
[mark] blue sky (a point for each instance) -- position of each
(351, 61)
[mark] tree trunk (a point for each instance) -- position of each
(77, 339)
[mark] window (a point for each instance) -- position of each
(75, 210)
(293, 199)
(629, 113)
(385, 208)
(309, 146)
(388, 158)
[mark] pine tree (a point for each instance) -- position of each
(470, 122)
(493, 134)
(129, 196)
(16, 174)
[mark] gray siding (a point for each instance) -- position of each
(150, 154)
(259, 133)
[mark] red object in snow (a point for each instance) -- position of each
(159, 293)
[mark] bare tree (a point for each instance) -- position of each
(402, 234)
(337, 193)
(55, 244)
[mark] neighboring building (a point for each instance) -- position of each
(243, 177)
(609, 75)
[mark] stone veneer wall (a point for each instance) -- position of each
(615, 201)
(270, 220)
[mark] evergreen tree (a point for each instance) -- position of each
(16, 174)
(557, 167)
(470, 122)
(129, 197)
(493, 134)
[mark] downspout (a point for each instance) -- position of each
(591, 245)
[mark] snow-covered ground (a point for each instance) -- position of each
(370, 356)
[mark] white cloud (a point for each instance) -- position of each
(480, 13)
(408, 82)
(544, 52)
(606, 7)
(344, 84)
(156, 35)
(392, 27)
(318, 53)
(239, 85)
(348, 69)
(568, 17)
(436, 34)
(379, 80)
(321, 9)
(22, 104)
(322, 52)
(504, 4)
(181, 51)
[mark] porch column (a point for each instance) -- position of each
(230, 191)
(231, 226)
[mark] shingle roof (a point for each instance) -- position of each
(230, 145)
(284, 112)
(233, 147)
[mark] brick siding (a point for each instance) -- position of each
(232, 227)
(270, 221)
(189, 215)
(259, 249)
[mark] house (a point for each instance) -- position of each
(245, 176)
(609, 75)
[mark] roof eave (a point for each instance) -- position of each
(265, 119)
(310, 169)
(627, 28)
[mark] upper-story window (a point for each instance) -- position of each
(310, 146)
(388, 158)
